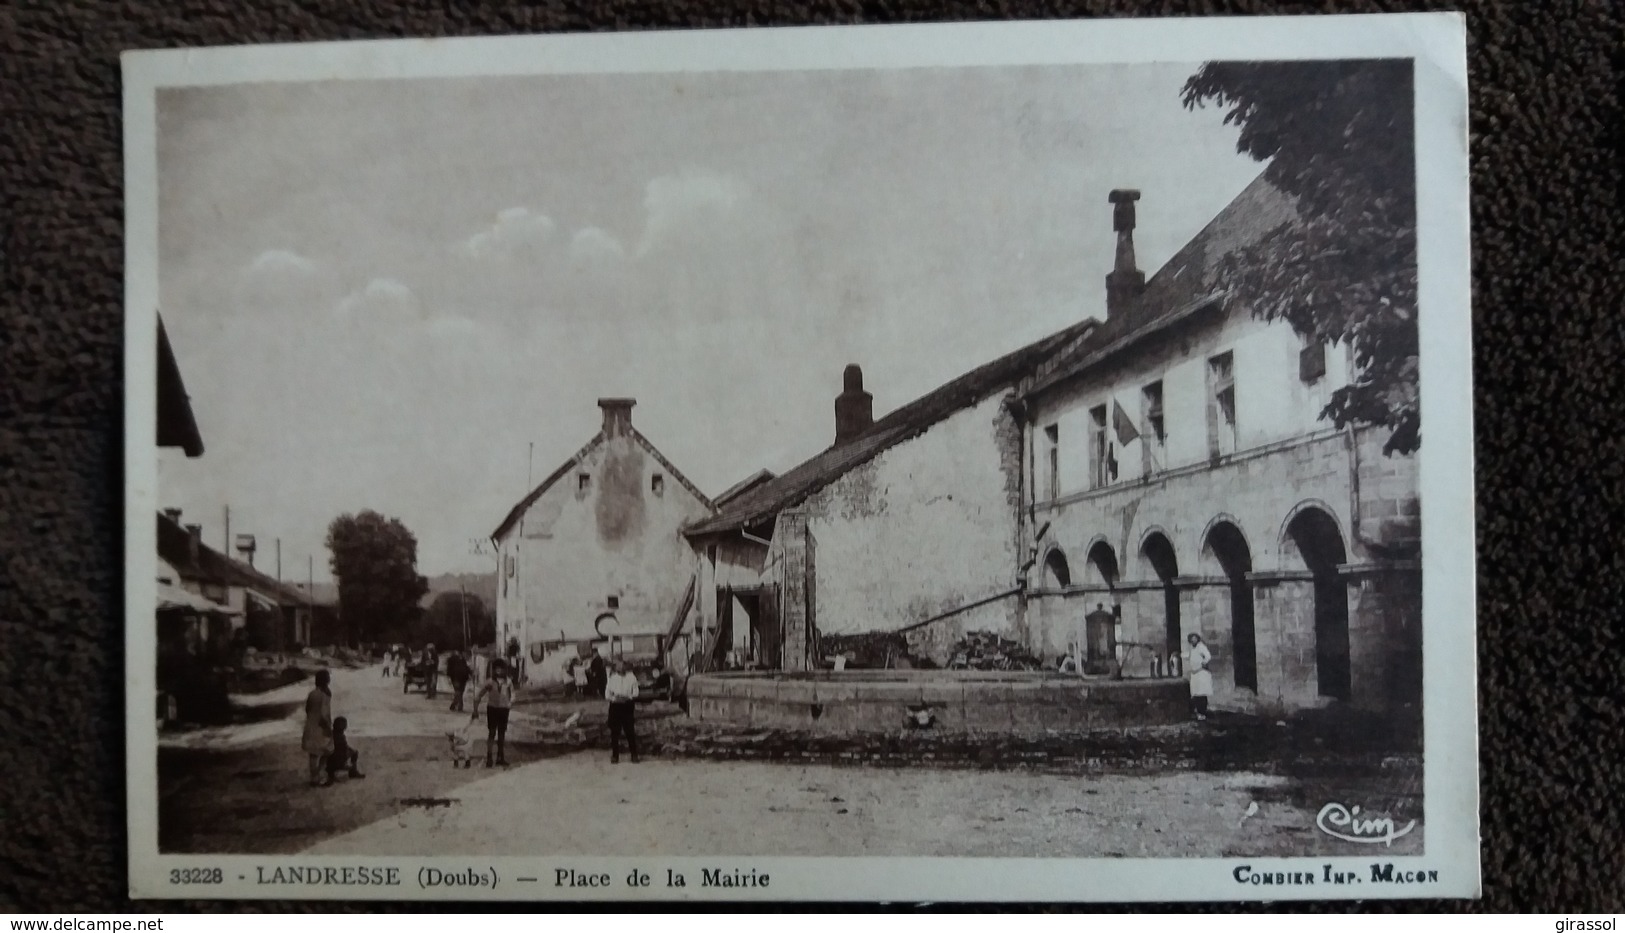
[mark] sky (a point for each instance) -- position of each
(408, 295)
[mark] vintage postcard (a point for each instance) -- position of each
(960, 462)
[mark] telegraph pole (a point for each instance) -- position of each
(462, 601)
(279, 560)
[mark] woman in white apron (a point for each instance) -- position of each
(1201, 680)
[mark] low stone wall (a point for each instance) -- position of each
(958, 701)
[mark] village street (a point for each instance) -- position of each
(241, 789)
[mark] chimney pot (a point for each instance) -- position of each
(173, 515)
(617, 415)
(1126, 281)
(854, 408)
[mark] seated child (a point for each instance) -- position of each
(343, 756)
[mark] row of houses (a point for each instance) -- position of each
(1164, 466)
(211, 606)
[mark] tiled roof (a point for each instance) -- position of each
(1185, 285)
(794, 486)
(211, 566)
(743, 486)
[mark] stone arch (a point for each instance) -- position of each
(1312, 541)
(1100, 563)
(1206, 560)
(1151, 532)
(1157, 554)
(1288, 547)
(1057, 572)
(1225, 550)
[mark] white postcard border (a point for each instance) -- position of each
(1438, 44)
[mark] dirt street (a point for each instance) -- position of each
(242, 789)
(580, 804)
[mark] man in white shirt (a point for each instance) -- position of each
(621, 691)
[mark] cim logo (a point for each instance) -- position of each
(1340, 822)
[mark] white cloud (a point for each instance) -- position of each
(381, 299)
(678, 206)
(517, 233)
(280, 282)
(281, 262)
(594, 245)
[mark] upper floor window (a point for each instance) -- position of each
(1155, 439)
(1102, 454)
(657, 484)
(1052, 437)
(1222, 405)
(583, 482)
(614, 602)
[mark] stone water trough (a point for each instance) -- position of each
(940, 701)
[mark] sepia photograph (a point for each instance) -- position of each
(817, 459)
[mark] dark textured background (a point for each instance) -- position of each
(1546, 153)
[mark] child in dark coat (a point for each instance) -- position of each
(343, 757)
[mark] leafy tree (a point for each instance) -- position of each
(443, 621)
(1339, 137)
(375, 561)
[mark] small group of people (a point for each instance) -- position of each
(394, 661)
(326, 737)
(620, 689)
(326, 742)
(586, 678)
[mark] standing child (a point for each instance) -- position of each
(578, 676)
(499, 686)
(317, 737)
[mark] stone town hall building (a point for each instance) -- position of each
(1180, 472)
(1115, 486)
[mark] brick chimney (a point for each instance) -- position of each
(1125, 282)
(854, 408)
(173, 515)
(194, 542)
(617, 415)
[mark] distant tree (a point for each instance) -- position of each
(375, 561)
(443, 621)
(1339, 137)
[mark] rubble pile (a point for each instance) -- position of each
(871, 651)
(989, 651)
